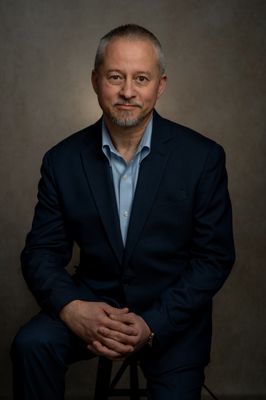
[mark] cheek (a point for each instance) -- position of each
(103, 97)
(106, 95)
(151, 97)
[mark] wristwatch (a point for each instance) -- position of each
(150, 339)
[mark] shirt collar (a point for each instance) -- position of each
(145, 143)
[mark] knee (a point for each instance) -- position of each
(40, 339)
(31, 342)
(24, 344)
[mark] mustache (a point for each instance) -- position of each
(127, 103)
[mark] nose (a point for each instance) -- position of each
(127, 90)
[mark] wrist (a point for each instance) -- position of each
(150, 339)
(69, 308)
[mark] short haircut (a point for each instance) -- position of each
(131, 32)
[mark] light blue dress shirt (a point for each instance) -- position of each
(125, 174)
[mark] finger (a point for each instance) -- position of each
(93, 349)
(116, 346)
(119, 326)
(103, 350)
(121, 310)
(118, 336)
(113, 310)
(129, 318)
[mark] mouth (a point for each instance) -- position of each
(125, 106)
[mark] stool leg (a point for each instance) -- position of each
(103, 379)
(134, 381)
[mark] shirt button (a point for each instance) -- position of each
(125, 214)
(125, 177)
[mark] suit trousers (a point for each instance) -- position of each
(44, 348)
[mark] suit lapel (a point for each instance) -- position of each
(150, 175)
(99, 178)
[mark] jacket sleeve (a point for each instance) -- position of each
(211, 255)
(48, 250)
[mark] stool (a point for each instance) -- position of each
(105, 387)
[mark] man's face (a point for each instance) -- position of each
(128, 82)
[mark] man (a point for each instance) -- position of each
(146, 201)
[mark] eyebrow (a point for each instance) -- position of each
(135, 73)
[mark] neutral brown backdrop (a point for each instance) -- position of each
(216, 65)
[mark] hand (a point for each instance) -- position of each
(136, 340)
(86, 319)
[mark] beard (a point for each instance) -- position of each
(129, 122)
(125, 119)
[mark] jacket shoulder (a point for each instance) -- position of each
(187, 136)
(76, 142)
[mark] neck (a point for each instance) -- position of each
(126, 139)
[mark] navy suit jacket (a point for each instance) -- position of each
(179, 248)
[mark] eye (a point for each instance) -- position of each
(115, 79)
(142, 79)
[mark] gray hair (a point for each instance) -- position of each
(129, 31)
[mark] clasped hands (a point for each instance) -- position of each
(108, 331)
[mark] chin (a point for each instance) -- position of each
(126, 122)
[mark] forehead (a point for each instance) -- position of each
(138, 53)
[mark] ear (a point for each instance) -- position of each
(94, 81)
(162, 85)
